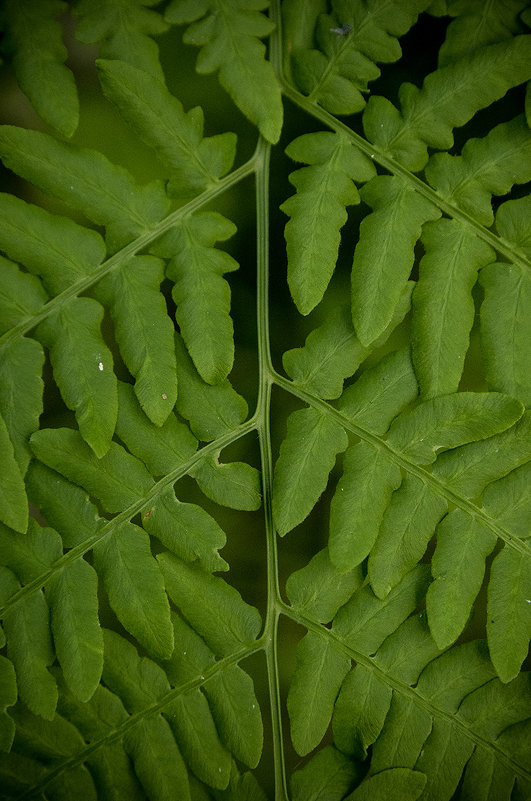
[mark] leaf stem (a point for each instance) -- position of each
(262, 417)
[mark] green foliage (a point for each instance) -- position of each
(371, 515)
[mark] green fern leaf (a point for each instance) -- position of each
(72, 596)
(21, 392)
(135, 588)
(306, 458)
(83, 369)
(448, 273)
(161, 448)
(362, 495)
(504, 331)
(186, 530)
(8, 697)
(360, 711)
(486, 167)
(509, 615)
(32, 553)
(478, 24)
(229, 36)
(318, 210)
(407, 526)
(104, 192)
(318, 590)
(214, 608)
(21, 296)
(438, 424)
(147, 349)
(406, 785)
(30, 647)
(381, 392)
(195, 163)
(53, 247)
(462, 547)
(384, 254)
(315, 684)
(123, 31)
(195, 732)
(35, 36)
(236, 714)
(236, 484)
(117, 479)
(328, 774)
(332, 352)
(350, 43)
(468, 470)
(66, 506)
(201, 294)
(13, 503)
(213, 410)
(428, 115)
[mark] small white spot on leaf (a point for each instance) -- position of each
(100, 366)
(164, 396)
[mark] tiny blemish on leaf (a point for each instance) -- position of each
(100, 366)
(164, 396)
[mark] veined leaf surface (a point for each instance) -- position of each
(264, 384)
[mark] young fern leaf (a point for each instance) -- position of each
(317, 210)
(123, 30)
(229, 35)
(34, 37)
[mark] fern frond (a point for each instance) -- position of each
(140, 410)
(433, 729)
(34, 38)
(230, 39)
(105, 193)
(133, 297)
(123, 30)
(449, 98)
(200, 292)
(384, 254)
(195, 162)
(317, 210)
(350, 42)
(332, 352)
(478, 24)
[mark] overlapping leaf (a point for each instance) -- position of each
(35, 40)
(317, 211)
(195, 162)
(449, 97)
(123, 30)
(457, 720)
(338, 59)
(229, 35)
